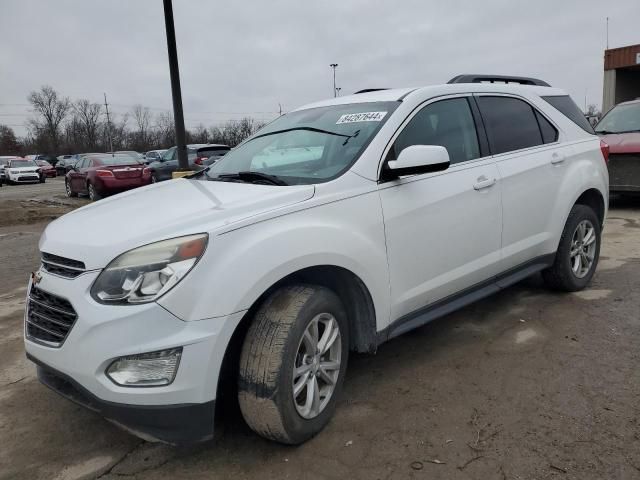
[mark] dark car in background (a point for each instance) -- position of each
(65, 165)
(46, 169)
(153, 155)
(99, 175)
(197, 154)
(620, 129)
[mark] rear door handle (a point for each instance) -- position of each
(556, 158)
(484, 182)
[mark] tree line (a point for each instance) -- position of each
(64, 126)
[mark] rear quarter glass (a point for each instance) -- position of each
(565, 105)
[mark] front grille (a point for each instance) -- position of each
(49, 317)
(624, 171)
(64, 267)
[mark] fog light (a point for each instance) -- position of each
(153, 369)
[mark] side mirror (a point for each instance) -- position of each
(418, 159)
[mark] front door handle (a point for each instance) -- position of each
(556, 158)
(484, 182)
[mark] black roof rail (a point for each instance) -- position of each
(475, 78)
(367, 90)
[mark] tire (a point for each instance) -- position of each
(94, 196)
(68, 190)
(154, 179)
(562, 275)
(273, 348)
(43, 179)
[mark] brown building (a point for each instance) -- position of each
(621, 75)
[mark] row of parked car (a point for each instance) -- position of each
(101, 174)
(24, 170)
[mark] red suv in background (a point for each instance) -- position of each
(102, 175)
(620, 129)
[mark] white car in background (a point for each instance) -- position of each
(22, 170)
(336, 227)
(3, 163)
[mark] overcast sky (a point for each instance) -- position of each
(245, 57)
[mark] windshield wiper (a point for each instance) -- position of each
(311, 129)
(251, 177)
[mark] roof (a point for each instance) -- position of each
(435, 90)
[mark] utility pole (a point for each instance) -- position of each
(106, 107)
(338, 91)
(280, 109)
(607, 33)
(334, 65)
(183, 163)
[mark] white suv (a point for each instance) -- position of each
(335, 228)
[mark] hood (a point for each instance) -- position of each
(23, 169)
(623, 142)
(97, 233)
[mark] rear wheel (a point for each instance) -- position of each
(43, 179)
(293, 363)
(93, 193)
(67, 188)
(578, 252)
(154, 179)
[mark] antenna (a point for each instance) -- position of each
(106, 106)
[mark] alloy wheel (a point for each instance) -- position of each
(583, 248)
(67, 188)
(317, 366)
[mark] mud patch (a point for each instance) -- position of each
(18, 212)
(593, 294)
(526, 335)
(90, 468)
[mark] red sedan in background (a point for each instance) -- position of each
(102, 175)
(46, 169)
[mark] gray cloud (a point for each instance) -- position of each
(244, 56)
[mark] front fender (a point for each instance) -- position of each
(242, 264)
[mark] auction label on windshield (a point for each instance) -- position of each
(361, 117)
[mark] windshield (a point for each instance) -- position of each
(22, 163)
(621, 119)
(43, 163)
(308, 146)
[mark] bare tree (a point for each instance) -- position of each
(88, 115)
(8, 142)
(142, 118)
(165, 130)
(51, 110)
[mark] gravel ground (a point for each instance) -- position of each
(527, 384)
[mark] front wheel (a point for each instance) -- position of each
(293, 363)
(578, 252)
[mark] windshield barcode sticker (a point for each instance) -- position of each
(361, 117)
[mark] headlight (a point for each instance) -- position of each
(146, 273)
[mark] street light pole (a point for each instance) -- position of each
(178, 116)
(338, 91)
(334, 65)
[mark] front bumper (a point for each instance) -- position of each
(181, 424)
(103, 333)
(24, 178)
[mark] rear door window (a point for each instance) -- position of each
(549, 132)
(569, 109)
(510, 123)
